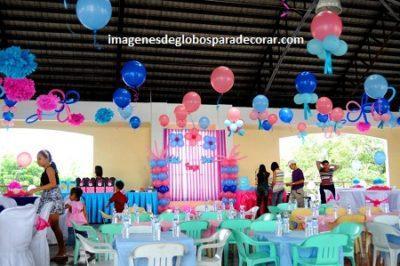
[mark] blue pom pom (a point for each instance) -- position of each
(103, 116)
(17, 63)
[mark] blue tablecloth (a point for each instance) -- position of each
(125, 247)
(22, 201)
(96, 202)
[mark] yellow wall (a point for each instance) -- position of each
(263, 147)
(120, 150)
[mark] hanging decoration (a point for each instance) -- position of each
(260, 104)
(326, 28)
(286, 9)
(302, 127)
(337, 116)
(8, 113)
(122, 98)
(135, 122)
(191, 101)
(306, 83)
(222, 80)
(103, 116)
(19, 89)
(163, 120)
(204, 122)
(126, 112)
(286, 115)
(323, 122)
(17, 63)
(234, 124)
(159, 176)
(133, 74)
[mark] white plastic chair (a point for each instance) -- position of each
(16, 228)
(140, 229)
(39, 245)
(379, 233)
(105, 217)
(98, 248)
(160, 254)
(216, 241)
(253, 212)
(7, 202)
(387, 219)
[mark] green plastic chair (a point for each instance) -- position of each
(91, 235)
(353, 231)
(274, 209)
(143, 217)
(239, 225)
(169, 216)
(328, 250)
(263, 226)
(322, 209)
(266, 217)
(194, 229)
(109, 231)
(212, 216)
(244, 243)
(283, 207)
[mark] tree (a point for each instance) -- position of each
(9, 171)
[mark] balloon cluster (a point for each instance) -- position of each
(234, 124)
(159, 176)
(222, 80)
(328, 117)
(57, 103)
(306, 83)
(191, 102)
(302, 127)
(326, 28)
(260, 105)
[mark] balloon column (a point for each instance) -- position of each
(234, 124)
(326, 28)
(222, 80)
(306, 83)
(159, 176)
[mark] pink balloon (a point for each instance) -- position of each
(337, 114)
(326, 23)
(222, 79)
(363, 127)
(253, 115)
(301, 126)
(180, 112)
(164, 169)
(181, 123)
(164, 120)
(24, 159)
(324, 105)
(191, 101)
(165, 182)
(385, 117)
(234, 114)
(164, 196)
(155, 170)
(263, 116)
(157, 183)
(272, 119)
(162, 209)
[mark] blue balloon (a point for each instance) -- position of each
(380, 157)
(233, 188)
(266, 125)
(306, 82)
(161, 163)
(8, 116)
(163, 201)
(286, 115)
(153, 163)
(322, 118)
(342, 49)
(94, 14)
(135, 122)
(225, 200)
(375, 86)
(381, 106)
(133, 73)
(204, 122)
(260, 103)
(331, 43)
(163, 189)
(398, 121)
(162, 176)
(9, 103)
(314, 47)
(154, 177)
(122, 97)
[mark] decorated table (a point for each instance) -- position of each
(124, 247)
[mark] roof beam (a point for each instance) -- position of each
(121, 15)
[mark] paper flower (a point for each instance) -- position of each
(103, 116)
(17, 63)
(76, 119)
(176, 140)
(19, 89)
(210, 143)
(193, 136)
(47, 102)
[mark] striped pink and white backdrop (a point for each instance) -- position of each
(203, 184)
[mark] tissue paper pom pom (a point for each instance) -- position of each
(76, 119)
(17, 63)
(19, 89)
(47, 102)
(103, 116)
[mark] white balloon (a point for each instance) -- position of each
(227, 123)
(239, 123)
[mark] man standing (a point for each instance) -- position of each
(297, 184)
(326, 171)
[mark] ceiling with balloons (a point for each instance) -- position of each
(57, 53)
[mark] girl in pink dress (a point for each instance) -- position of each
(76, 212)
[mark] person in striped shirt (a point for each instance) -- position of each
(326, 171)
(278, 185)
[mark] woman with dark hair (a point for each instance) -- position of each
(49, 182)
(98, 170)
(278, 185)
(262, 187)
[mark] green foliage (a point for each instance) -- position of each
(9, 171)
(341, 150)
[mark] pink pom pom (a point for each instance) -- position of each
(6, 108)
(14, 185)
(19, 89)
(76, 119)
(47, 102)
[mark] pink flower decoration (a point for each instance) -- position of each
(76, 119)
(193, 136)
(47, 102)
(19, 89)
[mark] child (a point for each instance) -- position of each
(76, 213)
(119, 199)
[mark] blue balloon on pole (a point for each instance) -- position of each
(375, 86)
(94, 14)
(204, 122)
(314, 47)
(286, 115)
(266, 125)
(133, 73)
(9, 103)
(306, 82)
(381, 106)
(331, 43)
(322, 118)
(342, 49)
(8, 116)
(122, 97)
(135, 122)
(260, 103)
(380, 157)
